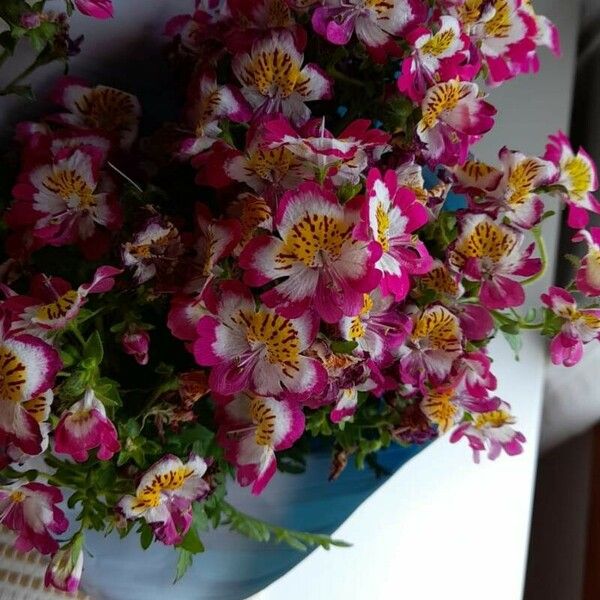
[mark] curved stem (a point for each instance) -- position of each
(541, 246)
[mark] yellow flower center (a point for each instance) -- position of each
(255, 211)
(439, 280)
(580, 176)
(470, 12)
(438, 44)
(495, 418)
(439, 408)
(205, 110)
(500, 24)
(314, 239)
(13, 375)
(264, 418)
(443, 97)
(521, 181)
(271, 165)
(107, 109)
(69, 184)
(150, 495)
(37, 407)
(275, 73)
(17, 496)
(383, 226)
(381, 7)
(437, 329)
(487, 240)
(274, 333)
(279, 14)
(57, 309)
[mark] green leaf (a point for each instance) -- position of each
(514, 341)
(75, 385)
(107, 391)
(191, 542)
(146, 537)
(263, 531)
(184, 562)
(93, 348)
(343, 346)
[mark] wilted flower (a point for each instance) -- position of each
(64, 570)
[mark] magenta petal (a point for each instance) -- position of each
(578, 217)
(227, 378)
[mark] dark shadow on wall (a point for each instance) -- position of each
(555, 567)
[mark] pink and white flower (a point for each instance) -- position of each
(492, 253)
(491, 430)
(136, 343)
(473, 374)
(437, 56)
(257, 349)
(445, 406)
(588, 274)
(208, 103)
(99, 9)
(454, 116)
(252, 429)
(504, 32)
(165, 494)
(31, 511)
(342, 158)
(66, 566)
(28, 367)
(65, 200)
(579, 327)
(154, 250)
(267, 171)
(184, 314)
(476, 322)
(435, 342)
(317, 254)
(577, 179)
(379, 328)
(84, 427)
(52, 303)
(517, 195)
(252, 21)
(214, 240)
(39, 408)
(391, 214)
(106, 109)
(274, 80)
(375, 23)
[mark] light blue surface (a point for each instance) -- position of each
(233, 567)
(453, 201)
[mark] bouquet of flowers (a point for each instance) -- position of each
(308, 249)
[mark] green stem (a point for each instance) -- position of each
(128, 179)
(541, 245)
(339, 76)
(263, 531)
(75, 331)
(26, 72)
